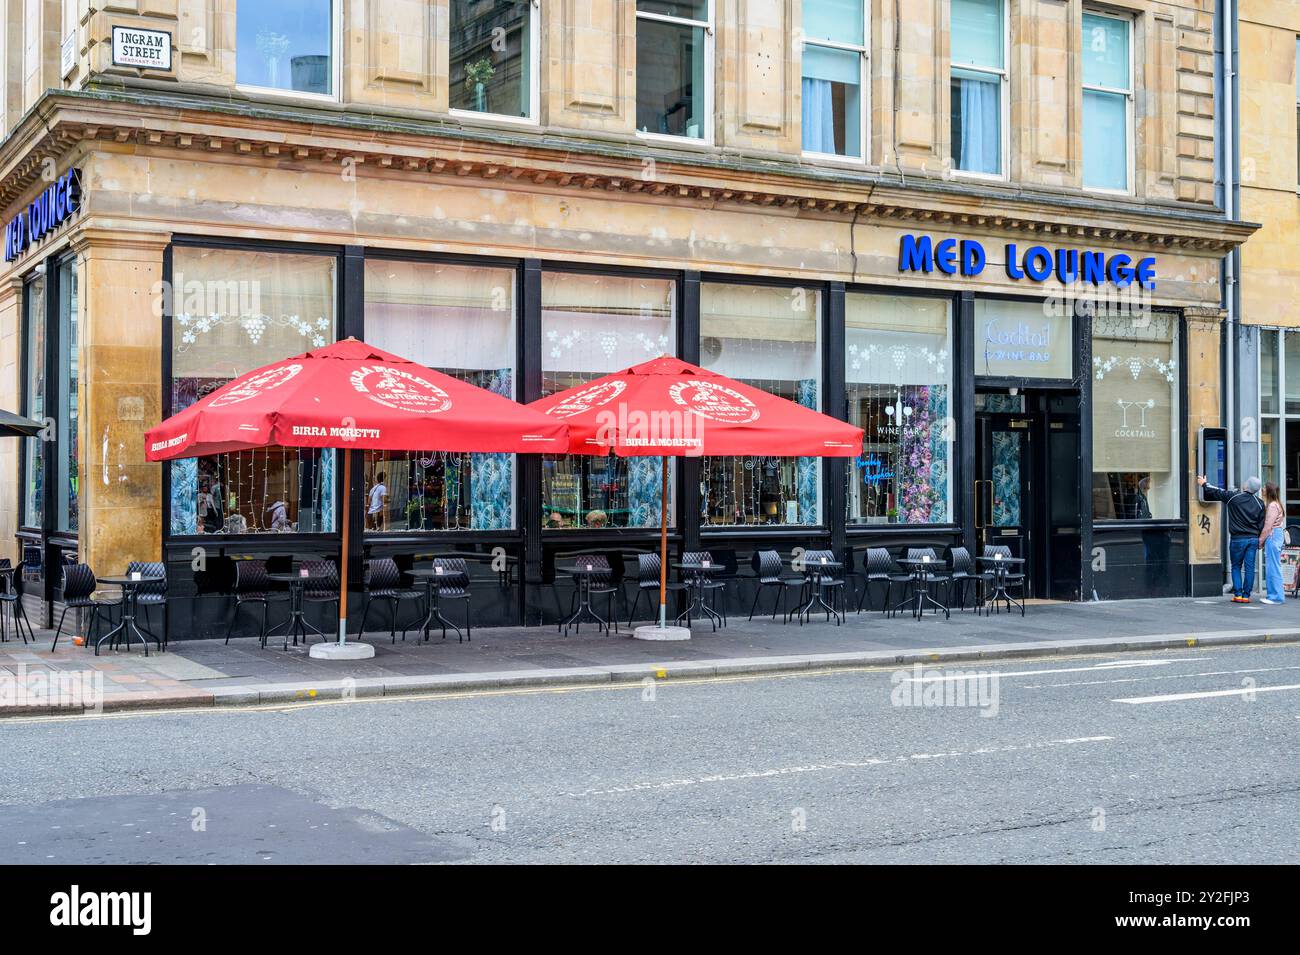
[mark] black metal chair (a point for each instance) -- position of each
(712, 584)
(769, 572)
(384, 581)
(647, 582)
(879, 567)
(253, 586)
(453, 584)
(322, 588)
(966, 576)
(152, 594)
(11, 599)
(79, 593)
(832, 583)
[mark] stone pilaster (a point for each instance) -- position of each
(121, 385)
(1203, 376)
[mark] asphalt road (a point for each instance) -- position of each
(1184, 756)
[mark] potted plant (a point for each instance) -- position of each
(477, 75)
(414, 512)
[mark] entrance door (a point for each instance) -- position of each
(1064, 546)
(1005, 465)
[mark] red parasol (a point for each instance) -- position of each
(671, 408)
(351, 395)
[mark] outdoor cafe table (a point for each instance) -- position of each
(297, 622)
(584, 574)
(695, 575)
(922, 572)
(430, 576)
(130, 584)
(814, 571)
(1002, 568)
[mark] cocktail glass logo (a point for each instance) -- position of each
(255, 385)
(1137, 428)
(714, 401)
(400, 390)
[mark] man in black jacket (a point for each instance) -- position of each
(1245, 521)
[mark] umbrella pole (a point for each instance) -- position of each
(663, 545)
(343, 563)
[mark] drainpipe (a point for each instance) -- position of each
(1230, 293)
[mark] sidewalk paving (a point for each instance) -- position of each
(207, 672)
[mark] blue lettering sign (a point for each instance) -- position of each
(920, 253)
(46, 213)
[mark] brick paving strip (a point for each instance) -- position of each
(206, 673)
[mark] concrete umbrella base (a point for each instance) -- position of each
(661, 633)
(352, 650)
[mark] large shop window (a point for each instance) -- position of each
(978, 76)
(460, 320)
(1135, 418)
(287, 45)
(898, 381)
(769, 338)
(593, 325)
(67, 513)
(673, 43)
(491, 56)
(834, 70)
(1107, 99)
(33, 459)
(234, 311)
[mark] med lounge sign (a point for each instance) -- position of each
(48, 211)
(1037, 263)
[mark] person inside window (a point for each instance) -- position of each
(378, 503)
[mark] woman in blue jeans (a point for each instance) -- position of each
(1271, 539)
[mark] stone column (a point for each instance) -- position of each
(120, 393)
(1203, 377)
(11, 399)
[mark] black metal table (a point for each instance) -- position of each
(583, 575)
(130, 584)
(297, 622)
(1002, 568)
(432, 576)
(695, 575)
(814, 571)
(922, 572)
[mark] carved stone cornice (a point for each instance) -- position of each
(65, 122)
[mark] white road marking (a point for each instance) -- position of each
(1154, 676)
(1113, 665)
(824, 767)
(1207, 694)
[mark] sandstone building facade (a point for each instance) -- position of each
(988, 231)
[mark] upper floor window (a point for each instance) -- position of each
(492, 57)
(288, 45)
(979, 76)
(674, 41)
(834, 77)
(1107, 101)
